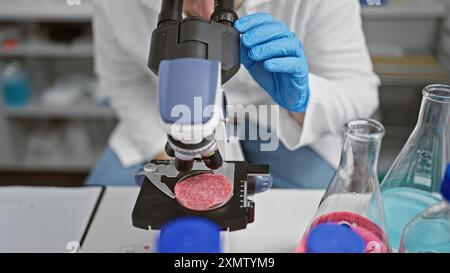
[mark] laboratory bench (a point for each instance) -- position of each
(281, 217)
(96, 219)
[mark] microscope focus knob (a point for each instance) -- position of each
(259, 184)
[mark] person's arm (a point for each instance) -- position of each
(320, 82)
(343, 85)
(129, 86)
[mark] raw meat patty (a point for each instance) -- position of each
(204, 191)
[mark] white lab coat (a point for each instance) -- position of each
(342, 82)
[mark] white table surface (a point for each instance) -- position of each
(280, 220)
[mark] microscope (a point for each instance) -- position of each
(193, 57)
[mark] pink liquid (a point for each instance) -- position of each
(373, 236)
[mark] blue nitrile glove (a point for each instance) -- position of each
(274, 57)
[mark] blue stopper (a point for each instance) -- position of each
(189, 235)
(333, 238)
(445, 187)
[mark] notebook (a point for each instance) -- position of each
(44, 219)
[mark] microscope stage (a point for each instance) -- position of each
(154, 208)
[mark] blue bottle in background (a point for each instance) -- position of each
(189, 235)
(14, 85)
(429, 232)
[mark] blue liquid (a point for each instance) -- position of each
(16, 91)
(401, 205)
(428, 236)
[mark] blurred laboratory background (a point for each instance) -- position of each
(54, 123)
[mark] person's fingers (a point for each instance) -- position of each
(285, 47)
(250, 21)
(265, 33)
(200, 8)
(245, 58)
(286, 65)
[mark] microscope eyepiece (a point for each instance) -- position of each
(224, 12)
(171, 11)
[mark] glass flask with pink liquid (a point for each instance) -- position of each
(353, 197)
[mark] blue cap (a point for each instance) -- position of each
(445, 187)
(189, 235)
(333, 238)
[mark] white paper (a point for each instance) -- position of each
(36, 219)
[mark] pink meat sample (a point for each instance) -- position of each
(203, 192)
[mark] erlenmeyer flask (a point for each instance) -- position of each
(353, 197)
(429, 232)
(412, 184)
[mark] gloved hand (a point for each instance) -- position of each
(274, 57)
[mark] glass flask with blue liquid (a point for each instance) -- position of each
(412, 184)
(429, 232)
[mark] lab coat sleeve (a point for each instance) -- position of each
(131, 90)
(343, 85)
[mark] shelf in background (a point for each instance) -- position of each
(39, 111)
(411, 9)
(63, 166)
(410, 70)
(45, 10)
(51, 51)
